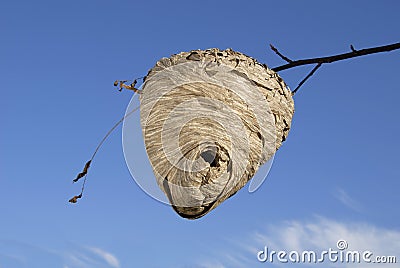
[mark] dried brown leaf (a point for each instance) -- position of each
(84, 172)
(75, 199)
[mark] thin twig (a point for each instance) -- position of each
(84, 172)
(338, 57)
(305, 78)
(274, 49)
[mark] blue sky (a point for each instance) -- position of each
(336, 177)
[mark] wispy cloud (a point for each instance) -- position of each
(89, 256)
(211, 264)
(20, 254)
(108, 257)
(78, 260)
(346, 200)
(322, 233)
(317, 234)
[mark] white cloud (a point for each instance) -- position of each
(346, 200)
(77, 256)
(78, 260)
(89, 257)
(211, 264)
(321, 234)
(106, 256)
(317, 234)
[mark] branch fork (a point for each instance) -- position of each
(329, 59)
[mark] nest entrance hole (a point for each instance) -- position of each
(210, 156)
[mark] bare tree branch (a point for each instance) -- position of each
(274, 49)
(308, 76)
(354, 53)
